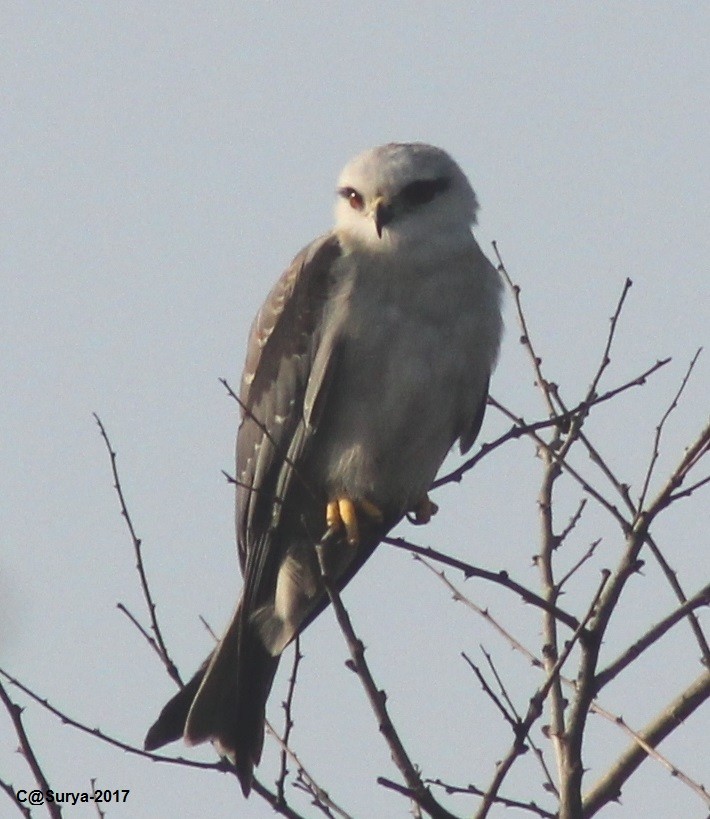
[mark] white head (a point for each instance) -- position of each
(404, 195)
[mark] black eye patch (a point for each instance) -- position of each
(422, 191)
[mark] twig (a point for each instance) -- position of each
(10, 791)
(137, 547)
(500, 800)
(521, 428)
(659, 429)
(613, 321)
(208, 628)
(595, 707)
(609, 787)
(588, 488)
(525, 340)
(702, 598)
(501, 578)
(490, 693)
(248, 412)
(572, 523)
(420, 793)
(667, 495)
(288, 717)
(549, 783)
(672, 579)
(273, 800)
(101, 814)
(535, 708)
(577, 566)
(321, 796)
(458, 596)
(146, 636)
(27, 750)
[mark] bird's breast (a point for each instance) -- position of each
(407, 374)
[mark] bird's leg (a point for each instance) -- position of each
(342, 514)
(423, 511)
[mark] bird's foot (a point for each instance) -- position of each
(343, 513)
(422, 511)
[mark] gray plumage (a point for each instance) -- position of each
(369, 359)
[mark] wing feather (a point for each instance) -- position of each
(278, 375)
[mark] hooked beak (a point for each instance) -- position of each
(382, 213)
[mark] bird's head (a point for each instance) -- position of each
(404, 194)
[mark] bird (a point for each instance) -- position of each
(369, 359)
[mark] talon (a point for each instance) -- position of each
(342, 514)
(423, 511)
(332, 515)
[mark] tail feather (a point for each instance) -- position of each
(224, 702)
(170, 725)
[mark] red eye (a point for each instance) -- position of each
(355, 199)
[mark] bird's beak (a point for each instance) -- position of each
(382, 213)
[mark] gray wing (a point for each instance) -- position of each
(287, 368)
(469, 435)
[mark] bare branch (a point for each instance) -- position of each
(535, 709)
(693, 454)
(672, 579)
(521, 428)
(27, 750)
(288, 717)
(321, 797)
(137, 547)
(12, 793)
(613, 321)
(659, 429)
(490, 693)
(531, 807)
(549, 624)
(588, 488)
(609, 787)
(501, 578)
(544, 385)
(702, 598)
(222, 765)
(595, 706)
(142, 631)
(577, 566)
(377, 698)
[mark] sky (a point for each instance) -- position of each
(161, 164)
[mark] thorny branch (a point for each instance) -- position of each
(288, 717)
(501, 578)
(159, 644)
(595, 707)
(609, 787)
(420, 793)
(26, 750)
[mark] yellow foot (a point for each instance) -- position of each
(342, 514)
(423, 511)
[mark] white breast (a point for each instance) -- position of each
(416, 347)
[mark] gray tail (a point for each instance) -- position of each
(225, 701)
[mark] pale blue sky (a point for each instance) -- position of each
(160, 166)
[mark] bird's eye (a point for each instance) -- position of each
(354, 198)
(423, 190)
